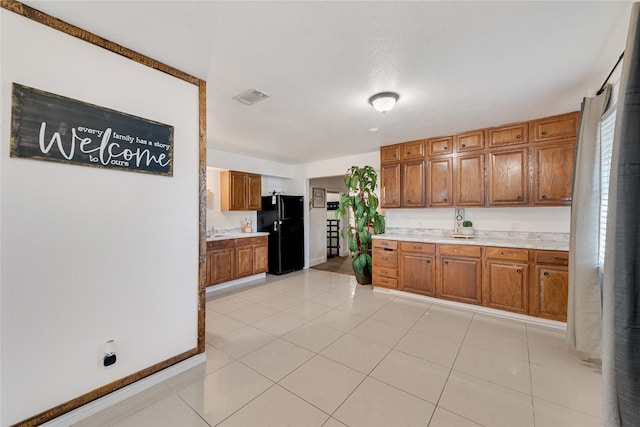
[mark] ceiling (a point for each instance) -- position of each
(457, 66)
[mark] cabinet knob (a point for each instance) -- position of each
(546, 274)
(446, 262)
(544, 196)
(428, 261)
(445, 148)
(518, 136)
(408, 200)
(444, 200)
(408, 153)
(519, 197)
(518, 271)
(501, 253)
(544, 132)
(464, 145)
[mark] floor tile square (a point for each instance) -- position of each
(276, 359)
(308, 310)
(549, 414)
(277, 407)
(443, 418)
(243, 341)
(323, 383)
(444, 322)
(379, 332)
(429, 347)
(340, 320)
(224, 391)
(279, 323)
(356, 353)
(397, 316)
(377, 404)
(416, 376)
(313, 336)
(252, 313)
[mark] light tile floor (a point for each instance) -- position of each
(313, 348)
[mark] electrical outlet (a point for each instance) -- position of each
(109, 353)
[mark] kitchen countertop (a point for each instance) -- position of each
(525, 242)
(238, 235)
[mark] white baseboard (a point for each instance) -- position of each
(124, 393)
(479, 309)
(317, 261)
(236, 282)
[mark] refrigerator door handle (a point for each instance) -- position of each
(275, 225)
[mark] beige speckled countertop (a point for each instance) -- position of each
(239, 235)
(507, 240)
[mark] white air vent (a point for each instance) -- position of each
(251, 96)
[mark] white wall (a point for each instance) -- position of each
(91, 254)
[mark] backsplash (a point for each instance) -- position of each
(496, 235)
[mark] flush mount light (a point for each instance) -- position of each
(384, 101)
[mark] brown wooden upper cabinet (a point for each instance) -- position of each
(508, 177)
(520, 164)
(412, 187)
(412, 150)
(508, 135)
(390, 153)
(240, 191)
(470, 141)
(470, 182)
(553, 173)
(555, 128)
(438, 146)
(390, 185)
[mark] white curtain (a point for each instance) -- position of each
(584, 315)
(621, 287)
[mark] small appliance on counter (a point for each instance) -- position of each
(282, 217)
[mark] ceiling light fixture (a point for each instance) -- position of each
(384, 101)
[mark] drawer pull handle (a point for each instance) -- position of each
(560, 258)
(544, 132)
(546, 274)
(544, 196)
(501, 253)
(518, 136)
(464, 145)
(445, 148)
(388, 249)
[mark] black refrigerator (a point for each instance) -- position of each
(282, 217)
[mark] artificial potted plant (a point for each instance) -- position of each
(467, 228)
(363, 203)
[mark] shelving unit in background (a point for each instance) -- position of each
(333, 238)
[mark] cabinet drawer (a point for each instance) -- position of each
(250, 241)
(391, 273)
(507, 253)
(556, 127)
(427, 248)
(390, 153)
(388, 244)
(221, 244)
(412, 150)
(385, 282)
(470, 251)
(552, 257)
(509, 135)
(437, 146)
(382, 258)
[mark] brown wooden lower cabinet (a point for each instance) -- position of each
(531, 282)
(506, 279)
(551, 285)
(417, 268)
(232, 259)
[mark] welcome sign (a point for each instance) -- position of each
(51, 127)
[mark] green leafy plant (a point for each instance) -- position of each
(467, 224)
(363, 203)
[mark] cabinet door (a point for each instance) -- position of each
(412, 184)
(261, 258)
(390, 185)
(506, 286)
(438, 146)
(390, 153)
(418, 273)
(221, 265)
(555, 128)
(509, 177)
(244, 261)
(508, 135)
(551, 290)
(470, 141)
(238, 182)
(440, 182)
(470, 184)
(412, 150)
(460, 279)
(553, 174)
(254, 192)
